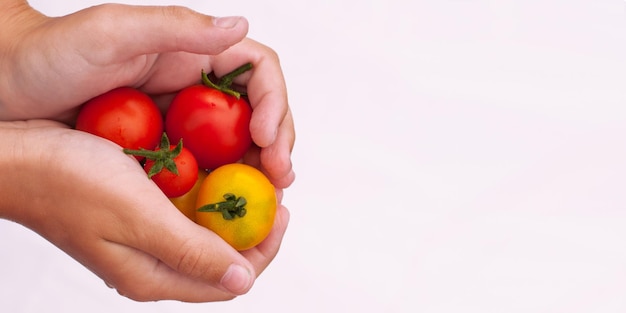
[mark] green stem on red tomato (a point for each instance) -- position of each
(226, 81)
(163, 157)
(232, 207)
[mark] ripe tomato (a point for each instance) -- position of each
(186, 203)
(173, 168)
(214, 126)
(125, 116)
(174, 184)
(238, 203)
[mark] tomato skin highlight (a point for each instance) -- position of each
(214, 126)
(125, 116)
(242, 233)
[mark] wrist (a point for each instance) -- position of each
(23, 160)
(10, 160)
(17, 19)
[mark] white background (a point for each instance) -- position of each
(452, 156)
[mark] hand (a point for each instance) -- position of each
(80, 192)
(109, 216)
(53, 65)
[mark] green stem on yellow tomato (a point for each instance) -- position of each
(230, 208)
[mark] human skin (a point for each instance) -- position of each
(80, 192)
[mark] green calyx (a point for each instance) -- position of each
(163, 157)
(225, 82)
(230, 208)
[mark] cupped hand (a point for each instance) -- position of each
(83, 194)
(53, 65)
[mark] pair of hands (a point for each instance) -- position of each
(80, 192)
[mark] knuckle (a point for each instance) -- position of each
(102, 22)
(176, 12)
(193, 260)
(101, 17)
(271, 54)
(279, 160)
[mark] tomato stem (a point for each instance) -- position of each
(232, 207)
(227, 80)
(225, 83)
(163, 157)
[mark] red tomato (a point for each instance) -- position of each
(175, 184)
(214, 126)
(125, 116)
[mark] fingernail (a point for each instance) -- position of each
(237, 279)
(226, 22)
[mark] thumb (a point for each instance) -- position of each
(153, 251)
(194, 252)
(139, 30)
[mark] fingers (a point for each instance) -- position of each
(32, 124)
(271, 125)
(189, 250)
(265, 85)
(268, 97)
(103, 47)
(141, 277)
(186, 262)
(144, 30)
(276, 158)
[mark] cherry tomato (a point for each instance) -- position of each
(175, 184)
(214, 126)
(186, 203)
(125, 116)
(238, 203)
(173, 168)
(213, 119)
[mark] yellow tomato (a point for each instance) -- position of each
(238, 203)
(187, 202)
